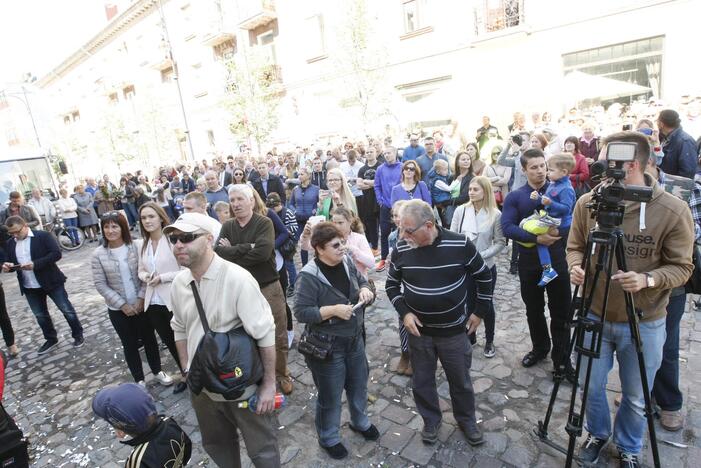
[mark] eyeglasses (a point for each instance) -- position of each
(411, 231)
(410, 168)
(184, 238)
(333, 180)
(338, 245)
(110, 215)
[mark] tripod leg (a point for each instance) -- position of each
(634, 325)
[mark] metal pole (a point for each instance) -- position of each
(176, 78)
(31, 116)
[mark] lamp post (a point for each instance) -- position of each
(25, 100)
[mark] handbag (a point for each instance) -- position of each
(693, 285)
(224, 363)
(499, 197)
(580, 188)
(288, 248)
(315, 345)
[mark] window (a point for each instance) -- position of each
(267, 42)
(66, 119)
(75, 116)
(315, 40)
(638, 63)
(415, 15)
(224, 51)
(113, 98)
(129, 92)
(167, 75)
(497, 15)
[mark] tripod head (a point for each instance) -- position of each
(607, 203)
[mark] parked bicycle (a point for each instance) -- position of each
(69, 237)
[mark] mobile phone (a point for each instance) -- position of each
(357, 308)
(15, 267)
(314, 220)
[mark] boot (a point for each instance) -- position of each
(404, 364)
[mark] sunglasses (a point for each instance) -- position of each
(110, 215)
(184, 238)
(337, 245)
(410, 168)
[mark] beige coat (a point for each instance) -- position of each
(166, 267)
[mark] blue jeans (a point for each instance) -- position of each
(346, 367)
(291, 271)
(132, 215)
(666, 387)
(71, 232)
(36, 298)
(630, 423)
(304, 255)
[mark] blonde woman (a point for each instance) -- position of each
(338, 194)
(480, 221)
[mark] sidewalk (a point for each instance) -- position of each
(50, 396)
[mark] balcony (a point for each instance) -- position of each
(256, 13)
(493, 16)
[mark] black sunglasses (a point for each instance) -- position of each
(110, 215)
(184, 238)
(410, 168)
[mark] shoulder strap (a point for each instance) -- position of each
(200, 309)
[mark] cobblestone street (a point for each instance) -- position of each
(50, 396)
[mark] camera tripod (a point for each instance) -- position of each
(610, 242)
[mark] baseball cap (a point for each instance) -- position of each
(191, 222)
(127, 407)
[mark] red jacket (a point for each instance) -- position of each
(581, 169)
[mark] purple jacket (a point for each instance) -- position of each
(386, 177)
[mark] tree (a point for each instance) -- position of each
(253, 94)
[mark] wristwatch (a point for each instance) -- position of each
(650, 280)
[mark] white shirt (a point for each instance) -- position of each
(151, 256)
(23, 253)
(122, 255)
(351, 173)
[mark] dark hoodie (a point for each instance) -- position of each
(165, 445)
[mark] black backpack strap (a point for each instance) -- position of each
(200, 308)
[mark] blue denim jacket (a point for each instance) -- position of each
(680, 156)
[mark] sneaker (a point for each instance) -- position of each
(142, 383)
(375, 253)
(179, 387)
(371, 433)
(489, 351)
(381, 265)
(591, 449)
(629, 460)
(46, 347)
(337, 452)
(164, 379)
(13, 351)
(548, 275)
(473, 435)
(78, 342)
(290, 338)
(549, 220)
(290, 291)
(671, 420)
(429, 435)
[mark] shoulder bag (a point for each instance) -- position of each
(224, 363)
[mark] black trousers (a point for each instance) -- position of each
(559, 299)
(285, 282)
(370, 216)
(8, 334)
(159, 316)
(130, 329)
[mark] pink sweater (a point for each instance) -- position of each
(358, 248)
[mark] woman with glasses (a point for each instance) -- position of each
(239, 177)
(157, 270)
(330, 299)
(480, 221)
(87, 218)
(115, 270)
(338, 195)
(411, 186)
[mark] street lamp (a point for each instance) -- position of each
(25, 100)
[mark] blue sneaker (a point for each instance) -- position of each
(548, 275)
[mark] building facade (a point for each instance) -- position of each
(349, 68)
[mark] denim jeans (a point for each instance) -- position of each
(386, 226)
(36, 298)
(303, 254)
(346, 368)
(455, 353)
(291, 271)
(72, 234)
(666, 387)
(132, 215)
(630, 423)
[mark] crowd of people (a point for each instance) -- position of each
(434, 215)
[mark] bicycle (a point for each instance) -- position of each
(69, 238)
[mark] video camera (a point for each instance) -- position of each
(607, 202)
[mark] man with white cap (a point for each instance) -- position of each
(231, 298)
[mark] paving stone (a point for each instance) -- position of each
(396, 414)
(518, 456)
(418, 452)
(518, 394)
(481, 385)
(396, 437)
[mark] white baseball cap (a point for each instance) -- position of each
(192, 222)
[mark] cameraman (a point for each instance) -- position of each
(658, 237)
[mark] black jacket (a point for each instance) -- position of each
(45, 252)
(164, 445)
(274, 185)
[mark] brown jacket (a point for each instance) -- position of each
(663, 249)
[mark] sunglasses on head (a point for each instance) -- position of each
(185, 237)
(110, 215)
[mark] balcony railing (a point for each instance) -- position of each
(256, 13)
(498, 15)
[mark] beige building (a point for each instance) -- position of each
(351, 68)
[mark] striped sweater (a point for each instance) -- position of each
(431, 282)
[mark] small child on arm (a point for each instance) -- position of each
(440, 189)
(556, 219)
